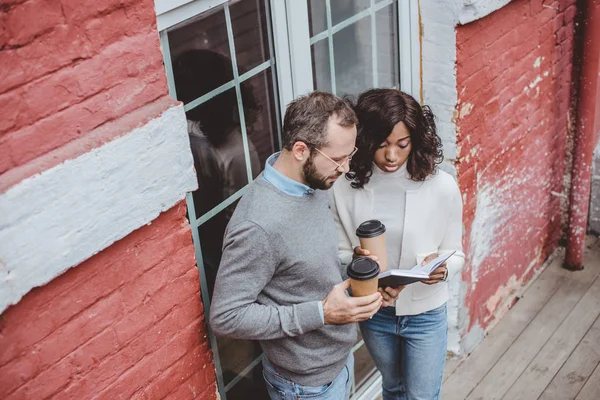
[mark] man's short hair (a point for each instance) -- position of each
(307, 116)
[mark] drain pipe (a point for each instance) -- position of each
(585, 136)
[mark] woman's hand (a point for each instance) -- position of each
(390, 295)
(360, 252)
(437, 275)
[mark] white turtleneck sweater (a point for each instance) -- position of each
(389, 189)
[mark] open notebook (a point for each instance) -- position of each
(400, 277)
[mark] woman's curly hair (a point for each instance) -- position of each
(378, 111)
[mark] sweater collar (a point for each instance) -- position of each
(401, 177)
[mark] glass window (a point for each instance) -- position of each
(317, 16)
(353, 59)
(361, 43)
(341, 10)
(225, 79)
(250, 34)
(386, 23)
(321, 66)
(221, 66)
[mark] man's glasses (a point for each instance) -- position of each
(338, 167)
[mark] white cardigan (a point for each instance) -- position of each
(432, 224)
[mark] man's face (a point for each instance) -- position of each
(321, 170)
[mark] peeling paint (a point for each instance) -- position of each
(538, 62)
(533, 83)
(490, 214)
(465, 110)
(503, 293)
(494, 207)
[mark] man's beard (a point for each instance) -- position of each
(313, 178)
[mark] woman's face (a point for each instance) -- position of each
(394, 151)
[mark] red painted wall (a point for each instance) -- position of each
(127, 323)
(72, 72)
(514, 83)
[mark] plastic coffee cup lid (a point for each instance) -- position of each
(370, 229)
(362, 269)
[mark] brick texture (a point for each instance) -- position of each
(73, 67)
(514, 81)
(126, 323)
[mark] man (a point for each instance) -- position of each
(280, 279)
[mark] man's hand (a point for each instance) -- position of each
(339, 308)
(360, 252)
(438, 274)
(390, 295)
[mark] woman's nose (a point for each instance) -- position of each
(391, 156)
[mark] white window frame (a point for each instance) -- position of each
(293, 53)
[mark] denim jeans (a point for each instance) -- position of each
(409, 351)
(281, 388)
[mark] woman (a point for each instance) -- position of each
(394, 178)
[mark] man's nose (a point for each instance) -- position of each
(345, 167)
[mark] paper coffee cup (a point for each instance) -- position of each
(371, 234)
(363, 273)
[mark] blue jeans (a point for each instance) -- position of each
(281, 388)
(409, 351)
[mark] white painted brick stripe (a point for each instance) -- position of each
(63, 216)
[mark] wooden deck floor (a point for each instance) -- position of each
(547, 347)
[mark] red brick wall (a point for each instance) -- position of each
(127, 323)
(514, 82)
(68, 69)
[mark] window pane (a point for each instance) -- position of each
(344, 9)
(321, 66)
(353, 58)
(199, 71)
(317, 16)
(204, 32)
(211, 239)
(248, 19)
(235, 356)
(217, 146)
(387, 46)
(251, 386)
(261, 117)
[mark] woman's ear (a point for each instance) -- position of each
(300, 151)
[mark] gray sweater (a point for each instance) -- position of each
(279, 260)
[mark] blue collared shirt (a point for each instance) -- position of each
(288, 186)
(282, 182)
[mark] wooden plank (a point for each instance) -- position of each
(451, 365)
(550, 359)
(474, 368)
(592, 243)
(591, 390)
(578, 368)
(516, 359)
